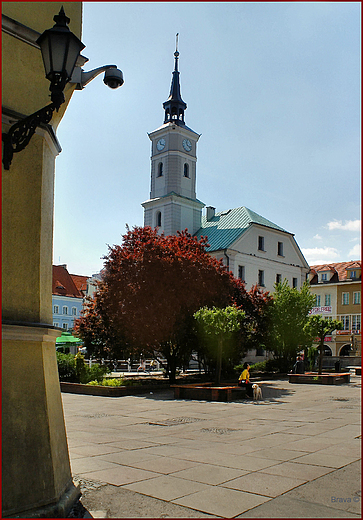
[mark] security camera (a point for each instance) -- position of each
(113, 78)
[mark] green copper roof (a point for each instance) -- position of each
(226, 226)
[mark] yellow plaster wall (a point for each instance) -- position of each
(33, 415)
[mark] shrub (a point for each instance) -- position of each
(66, 367)
(73, 369)
(269, 365)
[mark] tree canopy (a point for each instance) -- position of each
(289, 316)
(319, 327)
(220, 323)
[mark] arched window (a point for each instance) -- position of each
(174, 114)
(160, 169)
(158, 219)
(345, 350)
(167, 114)
(186, 170)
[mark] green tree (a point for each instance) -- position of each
(220, 323)
(289, 315)
(320, 327)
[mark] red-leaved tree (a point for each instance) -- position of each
(151, 286)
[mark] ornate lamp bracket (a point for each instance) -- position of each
(21, 132)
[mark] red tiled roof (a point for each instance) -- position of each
(340, 268)
(63, 285)
(80, 282)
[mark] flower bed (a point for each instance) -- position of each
(110, 391)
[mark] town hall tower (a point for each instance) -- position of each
(173, 205)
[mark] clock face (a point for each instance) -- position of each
(160, 145)
(187, 145)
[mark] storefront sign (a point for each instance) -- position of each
(321, 310)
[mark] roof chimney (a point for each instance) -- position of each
(210, 212)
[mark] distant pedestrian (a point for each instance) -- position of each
(141, 366)
(129, 365)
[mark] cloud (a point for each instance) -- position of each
(321, 255)
(355, 253)
(350, 225)
(317, 237)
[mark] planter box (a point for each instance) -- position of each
(322, 379)
(208, 392)
(109, 391)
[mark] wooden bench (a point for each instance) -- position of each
(208, 392)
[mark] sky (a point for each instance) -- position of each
(273, 89)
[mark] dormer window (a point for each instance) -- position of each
(324, 277)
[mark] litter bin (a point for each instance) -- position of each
(337, 366)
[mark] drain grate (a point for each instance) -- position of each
(175, 421)
(95, 416)
(219, 431)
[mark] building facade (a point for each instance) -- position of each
(68, 293)
(337, 287)
(252, 247)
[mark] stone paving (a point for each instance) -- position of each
(295, 454)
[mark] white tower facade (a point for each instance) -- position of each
(173, 205)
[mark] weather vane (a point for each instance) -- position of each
(176, 44)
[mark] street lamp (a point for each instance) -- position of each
(60, 50)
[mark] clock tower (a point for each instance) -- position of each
(173, 205)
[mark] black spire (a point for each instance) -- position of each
(174, 106)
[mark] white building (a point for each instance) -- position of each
(252, 247)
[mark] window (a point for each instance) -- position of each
(317, 300)
(327, 300)
(356, 322)
(280, 249)
(353, 274)
(356, 298)
(160, 169)
(186, 170)
(55, 324)
(65, 310)
(241, 272)
(324, 277)
(261, 278)
(74, 311)
(261, 243)
(278, 278)
(65, 326)
(294, 283)
(345, 321)
(345, 298)
(158, 219)
(55, 309)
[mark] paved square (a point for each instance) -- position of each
(294, 453)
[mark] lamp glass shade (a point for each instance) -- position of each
(60, 50)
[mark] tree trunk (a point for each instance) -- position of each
(321, 354)
(219, 361)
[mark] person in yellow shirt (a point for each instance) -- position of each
(244, 380)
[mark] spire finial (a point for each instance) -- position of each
(176, 44)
